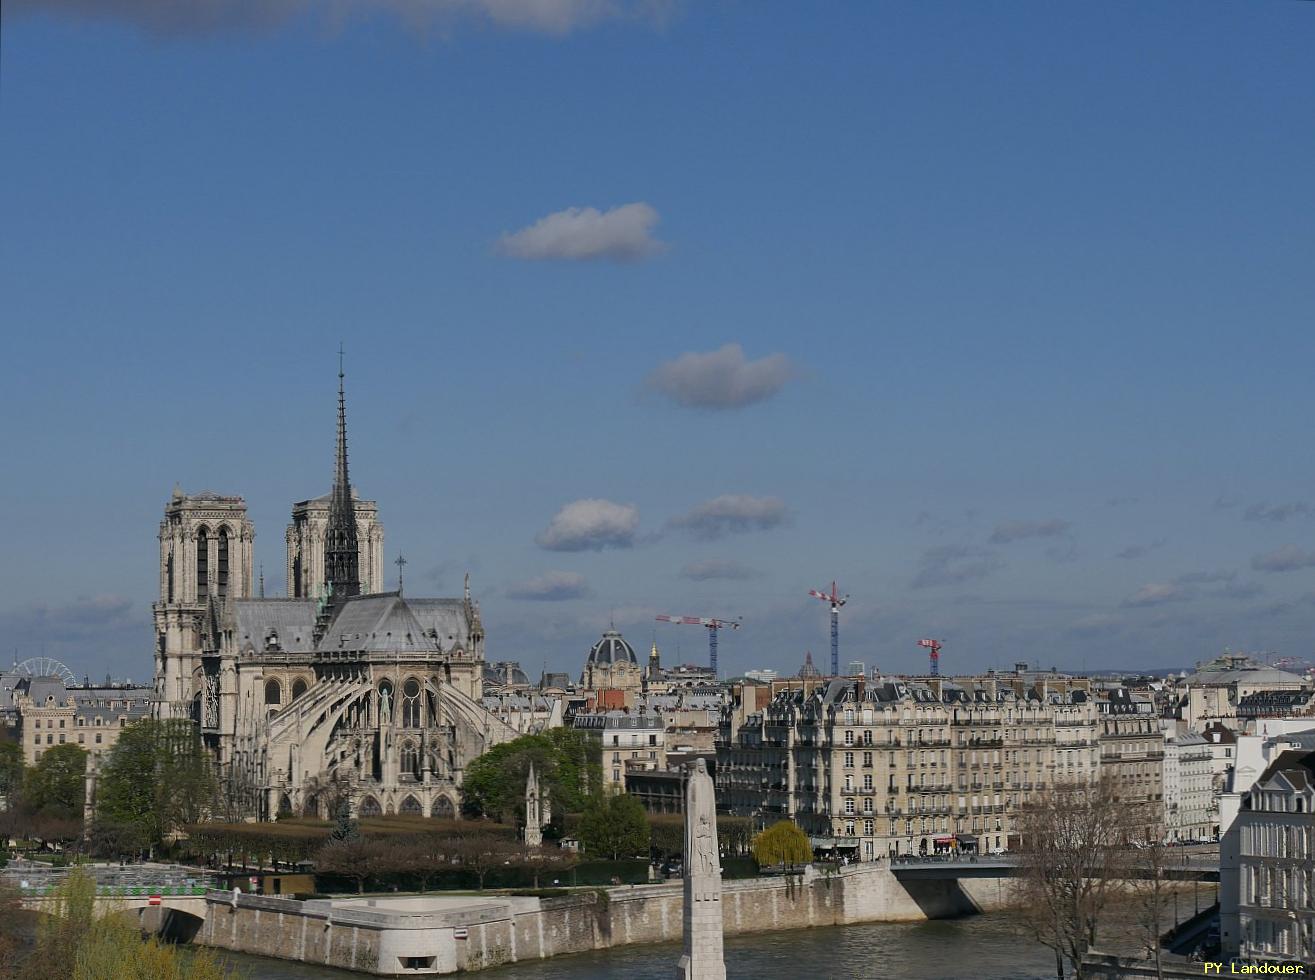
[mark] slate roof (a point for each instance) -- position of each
(381, 622)
(293, 620)
(1297, 766)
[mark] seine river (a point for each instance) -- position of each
(986, 947)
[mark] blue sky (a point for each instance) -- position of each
(998, 314)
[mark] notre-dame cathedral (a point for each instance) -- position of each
(338, 692)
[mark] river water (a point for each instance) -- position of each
(986, 947)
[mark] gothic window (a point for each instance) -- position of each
(169, 576)
(370, 807)
(298, 688)
(223, 562)
(202, 563)
(443, 809)
(273, 692)
(410, 760)
(411, 703)
(411, 806)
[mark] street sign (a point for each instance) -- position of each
(154, 900)
(459, 934)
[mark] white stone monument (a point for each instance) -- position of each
(533, 813)
(703, 958)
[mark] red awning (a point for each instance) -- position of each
(942, 840)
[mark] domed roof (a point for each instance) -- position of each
(612, 649)
(809, 669)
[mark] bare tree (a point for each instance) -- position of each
(358, 859)
(481, 852)
(542, 861)
(425, 856)
(1150, 894)
(1074, 844)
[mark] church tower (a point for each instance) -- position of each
(206, 546)
(342, 555)
(336, 538)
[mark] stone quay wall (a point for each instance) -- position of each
(401, 937)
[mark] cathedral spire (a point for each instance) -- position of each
(342, 550)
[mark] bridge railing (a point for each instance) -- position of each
(113, 881)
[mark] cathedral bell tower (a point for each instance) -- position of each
(206, 545)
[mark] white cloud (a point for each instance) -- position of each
(1289, 558)
(732, 513)
(710, 568)
(1011, 531)
(1156, 594)
(590, 525)
(211, 17)
(623, 234)
(722, 378)
(551, 586)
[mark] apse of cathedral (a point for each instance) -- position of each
(338, 692)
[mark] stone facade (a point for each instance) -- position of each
(1191, 810)
(900, 768)
(1132, 756)
(1267, 866)
(50, 714)
(628, 742)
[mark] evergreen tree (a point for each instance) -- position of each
(345, 828)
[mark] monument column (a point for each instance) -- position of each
(704, 958)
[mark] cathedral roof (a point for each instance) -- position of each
(377, 623)
(381, 622)
(290, 621)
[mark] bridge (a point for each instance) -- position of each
(168, 899)
(1185, 868)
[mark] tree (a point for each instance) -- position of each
(56, 785)
(782, 843)
(359, 859)
(481, 852)
(74, 944)
(544, 861)
(158, 778)
(567, 762)
(345, 827)
(11, 769)
(425, 856)
(1151, 895)
(1074, 838)
(614, 825)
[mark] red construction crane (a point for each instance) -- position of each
(837, 600)
(934, 656)
(713, 626)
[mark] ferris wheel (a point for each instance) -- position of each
(47, 667)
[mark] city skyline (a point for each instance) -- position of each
(995, 319)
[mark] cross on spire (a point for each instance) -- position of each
(400, 562)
